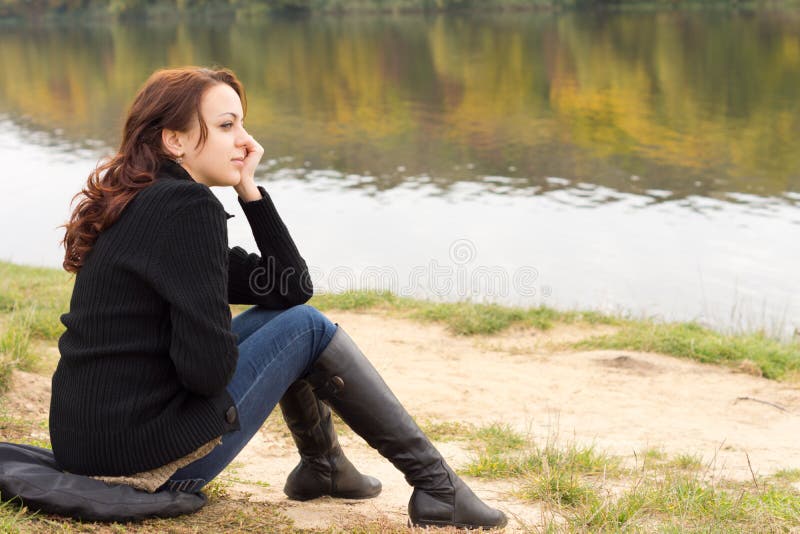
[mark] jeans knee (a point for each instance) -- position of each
(310, 314)
(316, 321)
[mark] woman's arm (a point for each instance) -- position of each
(277, 279)
(189, 269)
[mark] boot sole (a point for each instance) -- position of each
(356, 497)
(348, 496)
(443, 524)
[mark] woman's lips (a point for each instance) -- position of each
(238, 162)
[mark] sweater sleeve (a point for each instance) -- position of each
(190, 270)
(278, 278)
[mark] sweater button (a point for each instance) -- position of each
(230, 415)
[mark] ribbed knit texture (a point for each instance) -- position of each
(148, 348)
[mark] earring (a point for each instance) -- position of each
(179, 159)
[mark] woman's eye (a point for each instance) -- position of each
(227, 125)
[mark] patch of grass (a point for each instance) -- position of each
(6, 366)
(685, 501)
(503, 454)
(502, 466)
(699, 504)
(688, 496)
(467, 318)
(13, 517)
(447, 430)
(15, 341)
(217, 489)
(610, 514)
(689, 340)
(41, 291)
(779, 503)
(654, 454)
(559, 488)
(593, 493)
(25, 431)
(686, 461)
(43, 443)
(498, 453)
(461, 318)
(498, 438)
(355, 300)
(31, 302)
(787, 475)
(259, 483)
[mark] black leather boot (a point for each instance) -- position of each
(344, 378)
(323, 467)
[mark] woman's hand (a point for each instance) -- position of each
(246, 188)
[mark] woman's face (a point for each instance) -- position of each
(219, 161)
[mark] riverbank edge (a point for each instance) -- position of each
(32, 300)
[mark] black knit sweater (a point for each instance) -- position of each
(148, 349)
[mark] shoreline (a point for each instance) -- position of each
(33, 298)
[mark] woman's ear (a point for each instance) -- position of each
(173, 142)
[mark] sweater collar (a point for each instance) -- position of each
(169, 169)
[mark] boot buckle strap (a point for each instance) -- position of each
(329, 387)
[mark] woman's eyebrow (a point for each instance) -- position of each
(228, 113)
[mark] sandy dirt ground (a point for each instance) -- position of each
(622, 402)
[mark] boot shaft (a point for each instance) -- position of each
(345, 379)
(309, 421)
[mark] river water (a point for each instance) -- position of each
(647, 163)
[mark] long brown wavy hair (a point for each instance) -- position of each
(169, 99)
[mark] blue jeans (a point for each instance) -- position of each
(276, 347)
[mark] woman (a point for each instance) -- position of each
(157, 386)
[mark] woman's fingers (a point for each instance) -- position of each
(253, 147)
(254, 153)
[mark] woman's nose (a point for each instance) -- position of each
(243, 136)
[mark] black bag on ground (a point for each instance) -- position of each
(31, 475)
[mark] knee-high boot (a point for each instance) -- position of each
(344, 378)
(323, 467)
